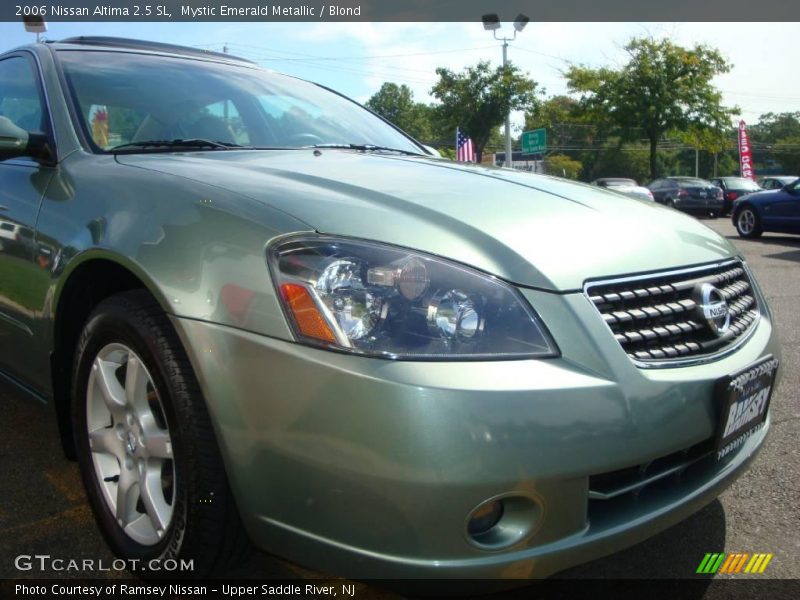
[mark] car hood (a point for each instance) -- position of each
(531, 230)
(762, 196)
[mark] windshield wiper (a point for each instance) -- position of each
(366, 148)
(172, 144)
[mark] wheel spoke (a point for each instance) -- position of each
(158, 444)
(152, 495)
(113, 394)
(136, 381)
(127, 479)
(106, 441)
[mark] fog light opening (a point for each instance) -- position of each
(498, 523)
(485, 517)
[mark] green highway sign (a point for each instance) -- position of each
(534, 142)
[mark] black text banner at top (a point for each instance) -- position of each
(400, 10)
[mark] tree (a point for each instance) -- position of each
(565, 121)
(478, 99)
(772, 127)
(562, 166)
(779, 135)
(620, 160)
(396, 104)
(662, 88)
(787, 152)
(573, 132)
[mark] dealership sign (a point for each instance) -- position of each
(745, 154)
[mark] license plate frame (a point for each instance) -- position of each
(743, 397)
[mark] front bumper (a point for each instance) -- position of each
(369, 468)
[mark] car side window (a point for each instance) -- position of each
(19, 94)
(656, 185)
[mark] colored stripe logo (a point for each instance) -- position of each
(734, 562)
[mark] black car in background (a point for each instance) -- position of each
(688, 194)
(776, 182)
(735, 187)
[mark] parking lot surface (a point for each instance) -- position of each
(43, 510)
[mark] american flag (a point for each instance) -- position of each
(465, 149)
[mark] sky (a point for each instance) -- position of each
(356, 58)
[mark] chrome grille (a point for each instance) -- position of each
(657, 317)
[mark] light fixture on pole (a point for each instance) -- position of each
(491, 22)
(35, 24)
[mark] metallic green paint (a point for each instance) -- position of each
(504, 223)
(367, 466)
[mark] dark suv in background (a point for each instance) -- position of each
(689, 194)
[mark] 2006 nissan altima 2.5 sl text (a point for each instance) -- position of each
(263, 314)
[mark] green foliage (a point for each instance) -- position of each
(662, 88)
(562, 166)
(622, 160)
(447, 151)
(566, 122)
(772, 127)
(478, 98)
(396, 104)
(787, 153)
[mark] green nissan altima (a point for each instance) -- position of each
(262, 314)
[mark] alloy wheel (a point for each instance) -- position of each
(130, 443)
(746, 221)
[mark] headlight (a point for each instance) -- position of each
(384, 301)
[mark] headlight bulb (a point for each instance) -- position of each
(412, 280)
(453, 315)
(341, 288)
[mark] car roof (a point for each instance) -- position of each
(119, 44)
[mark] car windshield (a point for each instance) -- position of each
(741, 183)
(130, 98)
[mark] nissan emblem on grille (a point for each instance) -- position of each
(677, 317)
(713, 308)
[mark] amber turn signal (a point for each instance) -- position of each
(310, 321)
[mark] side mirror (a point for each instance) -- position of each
(16, 142)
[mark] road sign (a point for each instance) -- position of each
(534, 142)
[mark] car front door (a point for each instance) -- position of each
(23, 181)
(783, 212)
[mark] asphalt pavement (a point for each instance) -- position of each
(43, 509)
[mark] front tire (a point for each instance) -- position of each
(146, 448)
(748, 223)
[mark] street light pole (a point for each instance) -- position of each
(509, 162)
(491, 23)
